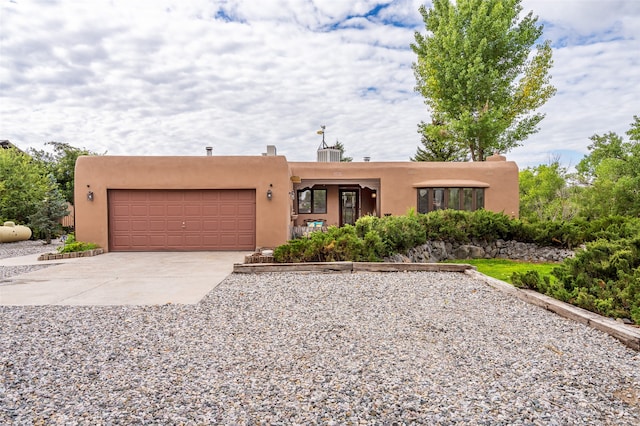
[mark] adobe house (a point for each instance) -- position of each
(135, 203)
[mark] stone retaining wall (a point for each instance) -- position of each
(55, 256)
(437, 251)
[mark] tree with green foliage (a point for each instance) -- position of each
(545, 193)
(475, 71)
(343, 158)
(438, 144)
(610, 174)
(61, 163)
(53, 207)
(23, 184)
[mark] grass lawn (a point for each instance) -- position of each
(503, 268)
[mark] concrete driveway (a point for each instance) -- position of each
(119, 279)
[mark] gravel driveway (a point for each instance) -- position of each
(286, 348)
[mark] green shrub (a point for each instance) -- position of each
(337, 244)
(374, 248)
(446, 225)
(400, 233)
(71, 245)
(604, 278)
(530, 280)
(366, 224)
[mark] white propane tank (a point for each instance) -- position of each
(10, 232)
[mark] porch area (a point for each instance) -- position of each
(320, 203)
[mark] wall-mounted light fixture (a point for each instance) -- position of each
(89, 194)
(374, 194)
(269, 194)
(292, 194)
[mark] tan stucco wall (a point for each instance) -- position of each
(398, 180)
(396, 193)
(100, 173)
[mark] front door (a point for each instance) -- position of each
(349, 206)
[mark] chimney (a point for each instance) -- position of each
(209, 151)
(366, 159)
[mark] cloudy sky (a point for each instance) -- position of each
(170, 77)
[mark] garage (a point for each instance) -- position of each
(181, 220)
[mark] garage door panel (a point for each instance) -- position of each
(121, 210)
(121, 226)
(228, 239)
(192, 225)
(139, 225)
(122, 240)
(157, 225)
(230, 195)
(139, 210)
(174, 210)
(245, 239)
(210, 210)
(212, 240)
(228, 210)
(143, 220)
(157, 210)
(139, 240)
(246, 225)
(193, 240)
(190, 210)
(245, 210)
(174, 225)
(174, 196)
(210, 225)
(227, 225)
(211, 196)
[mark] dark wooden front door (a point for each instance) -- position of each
(349, 206)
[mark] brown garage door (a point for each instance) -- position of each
(157, 220)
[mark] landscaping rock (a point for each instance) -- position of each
(437, 251)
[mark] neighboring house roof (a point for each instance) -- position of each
(5, 144)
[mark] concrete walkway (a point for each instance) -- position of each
(138, 278)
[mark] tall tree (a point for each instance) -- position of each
(475, 72)
(23, 184)
(545, 193)
(343, 158)
(438, 144)
(611, 175)
(53, 207)
(61, 164)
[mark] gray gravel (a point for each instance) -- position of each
(23, 248)
(366, 348)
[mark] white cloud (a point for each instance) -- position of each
(170, 77)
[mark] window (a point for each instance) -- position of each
(312, 201)
(430, 199)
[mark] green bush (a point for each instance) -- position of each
(337, 244)
(446, 225)
(71, 245)
(530, 280)
(604, 278)
(400, 233)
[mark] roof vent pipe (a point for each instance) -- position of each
(209, 151)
